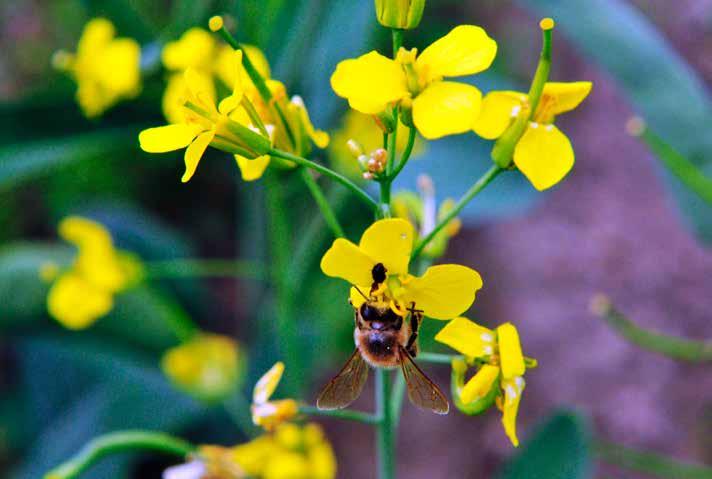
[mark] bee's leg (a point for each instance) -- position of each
(412, 346)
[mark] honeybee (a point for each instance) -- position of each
(383, 339)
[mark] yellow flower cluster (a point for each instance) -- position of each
(375, 85)
(207, 366)
(289, 452)
(106, 69)
(85, 292)
(248, 123)
(443, 292)
(501, 366)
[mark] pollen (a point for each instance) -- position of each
(215, 23)
(547, 23)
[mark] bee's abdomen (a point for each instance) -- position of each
(381, 345)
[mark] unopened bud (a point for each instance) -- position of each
(402, 14)
(363, 162)
(61, 60)
(367, 176)
(215, 23)
(635, 126)
(378, 160)
(600, 305)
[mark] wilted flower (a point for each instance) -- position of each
(266, 413)
(499, 379)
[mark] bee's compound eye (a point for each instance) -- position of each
(368, 313)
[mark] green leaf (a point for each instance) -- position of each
(558, 449)
(663, 88)
(40, 158)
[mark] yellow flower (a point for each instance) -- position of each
(106, 69)
(372, 82)
(266, 413)
(543, 154)
(422, 212)
(365, 132)
(289, 452)
(502, 366)
(199, 51)
(208, 366)
(443, 292)
(85, 292)
(226, 127)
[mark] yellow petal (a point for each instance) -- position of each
(194, 49)
(369, 82)
(467, 337)
(544, 155)
(118, 68)
(252, 170)
(176, 93)
(480, 384)
(97, 33)
(566, 96)
(166, 138)
(389, 242)
(498, 110)
(513, 389)
(510, 351)
(233, 101)
(347, 261)
(84, 232)
(76, 303)
(357, 299)
(272, 413)
(444, 291)
(194, 153)
(446, 108)
(265, 387)
(466, 50)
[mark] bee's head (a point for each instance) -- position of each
(379, 273)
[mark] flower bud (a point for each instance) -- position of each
(479, 393)
(403, 14)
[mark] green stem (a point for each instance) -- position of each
(321, 201)
(504, 147)
(385, 445)
(116, 442)
(648, 462)
(685, 170)
(280, 251)
(362, 195)
(346, 414)
(397, 37)
(479, 185)
(437, 358)
(188, 268)
(406, 154)
(672, 347)
(397, 399)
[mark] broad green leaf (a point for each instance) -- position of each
(40, 158)
(557, 449)
(662, 87)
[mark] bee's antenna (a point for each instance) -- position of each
(361, 292)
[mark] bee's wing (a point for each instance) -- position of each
(422, 391)
(346, 386)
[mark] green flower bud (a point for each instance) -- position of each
(403, 14)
